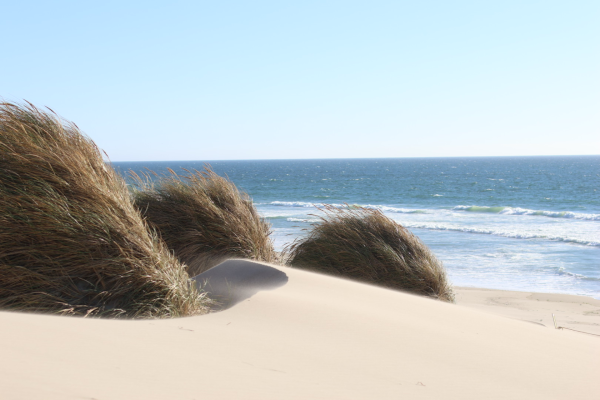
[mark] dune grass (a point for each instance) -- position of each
(365, 245)
(204, 219)
(71, 241)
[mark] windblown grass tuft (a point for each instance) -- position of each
(71, 241)
(204, 219)
(366, 245)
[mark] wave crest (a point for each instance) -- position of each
(342, 206)
(526, 211)
(509, 234)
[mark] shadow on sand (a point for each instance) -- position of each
(234, 281)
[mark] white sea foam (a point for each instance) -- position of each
(342, 206)
(477, 209)
(498, 232)
(394, 209)
(562, 271)
(448, 220)
(292, 204)
(525, 211)
(309, 220)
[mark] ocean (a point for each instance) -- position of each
(513, 223)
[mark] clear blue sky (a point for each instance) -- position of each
(215, 80)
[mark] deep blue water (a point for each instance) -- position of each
(517, 223)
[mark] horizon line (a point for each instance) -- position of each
(359, 158)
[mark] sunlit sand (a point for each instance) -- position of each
(293, 334)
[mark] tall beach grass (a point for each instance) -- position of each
(365, 245)
(204, 219)
(71, 241)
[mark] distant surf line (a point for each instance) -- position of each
(504, 210)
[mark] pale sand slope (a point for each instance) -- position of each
(315, 337)
(575, 312)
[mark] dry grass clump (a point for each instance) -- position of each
(366, 245)
(71, 241)
(204, 219)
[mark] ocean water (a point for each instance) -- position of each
(514, 223)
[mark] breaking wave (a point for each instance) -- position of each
(342, 206)
(495, 232)
(525, 211)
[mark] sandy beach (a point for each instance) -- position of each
(290, 334)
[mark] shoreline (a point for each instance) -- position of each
(313, 336)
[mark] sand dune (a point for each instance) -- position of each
(293, 334)
(574, 312)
